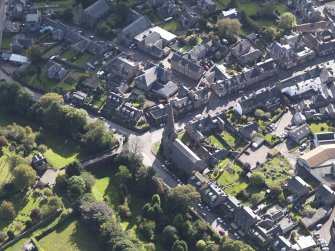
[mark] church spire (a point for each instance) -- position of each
(170, 130)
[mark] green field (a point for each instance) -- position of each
(70, 236)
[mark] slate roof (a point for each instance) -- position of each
(98, 9)
(296, 185)
(139, 25)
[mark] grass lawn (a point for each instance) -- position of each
(107, 188)
(82, 59)
(228, 177)
(5, 174)
(68, 55)
(70, 236)
(185, 48)
(232, 140)
(6, 42)
(277, 170)
(216, 142)
(319, 127)
(62, 151)
(171, 26)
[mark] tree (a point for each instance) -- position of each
(257, 179)
(14, 160)
(231, 245)
(229, 27)
(76, 186)
(36, 214)
(34, 52)
(97, 138)
(48, 99)
(259, 113)
(132, 151)
(73, 169)
(147, 228)
(89, 181)
(95, 213)
(156, 200)
(24, 176)
(201, 245)
(74, 120)
(42, 148)
(7, 211)
(308, 211)
(103, 29)
(124, 245)
(268, 10)
(3, 141)
(123, 175)
(286, 21)
(66, 15)
(179, 245)
(232, 4)
(271, 33)
(124, 211)
(170, 235)
(180, 197)
(256, 198)
(275, 190)
(3, 237)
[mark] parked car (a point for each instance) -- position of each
(204, 214)
(318, 226)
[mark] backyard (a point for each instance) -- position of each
(171, 26)
(233, 140)
(6, 42)
(70, 236)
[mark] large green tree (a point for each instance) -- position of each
(24, 176)
(97, 138)
(180, 197)
(34, 52)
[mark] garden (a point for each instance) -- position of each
(272, 174)
(71, 235)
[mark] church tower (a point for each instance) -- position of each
(170, 130)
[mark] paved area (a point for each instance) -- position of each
(284, 121)
(325, 230)
(289, 150)
(255, 155)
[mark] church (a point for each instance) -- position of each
(176, 151)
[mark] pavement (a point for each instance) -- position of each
(325, 230)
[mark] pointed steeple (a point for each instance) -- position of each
(170, 131)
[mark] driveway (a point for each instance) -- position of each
(284, 121)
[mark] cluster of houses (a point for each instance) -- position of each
(266, 226)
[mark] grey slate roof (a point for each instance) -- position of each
(98, 9)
